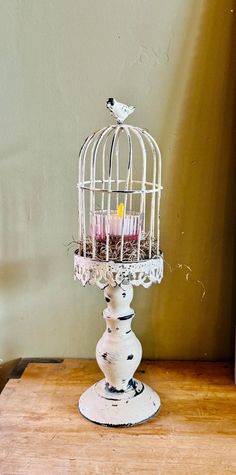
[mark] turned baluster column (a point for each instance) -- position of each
(119, 351)
(119, 400)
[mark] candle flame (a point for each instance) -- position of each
(120, 210)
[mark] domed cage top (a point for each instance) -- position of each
(119, 191)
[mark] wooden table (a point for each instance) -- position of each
(195, 432)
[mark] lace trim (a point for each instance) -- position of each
(93, 272)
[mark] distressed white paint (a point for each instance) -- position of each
(122, 409)
(108, 161)
(118, 352)
(119, 110)
(145, 273)
(119, 399)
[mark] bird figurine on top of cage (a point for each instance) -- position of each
(119, 191)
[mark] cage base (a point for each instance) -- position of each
(101, 273)
(119, 409)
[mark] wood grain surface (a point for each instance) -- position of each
(42, 432)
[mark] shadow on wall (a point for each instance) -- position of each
(5, 371)
(192, 312)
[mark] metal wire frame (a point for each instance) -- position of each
(97, 145)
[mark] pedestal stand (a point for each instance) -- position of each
(119, 399)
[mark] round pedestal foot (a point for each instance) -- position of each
(119, 409)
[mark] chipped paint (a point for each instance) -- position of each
(119, 351)
(118, 355)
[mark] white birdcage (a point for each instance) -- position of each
(119, 191)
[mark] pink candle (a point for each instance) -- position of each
(101, 224)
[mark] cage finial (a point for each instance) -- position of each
(118, 110)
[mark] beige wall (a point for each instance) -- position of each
(60, 60)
